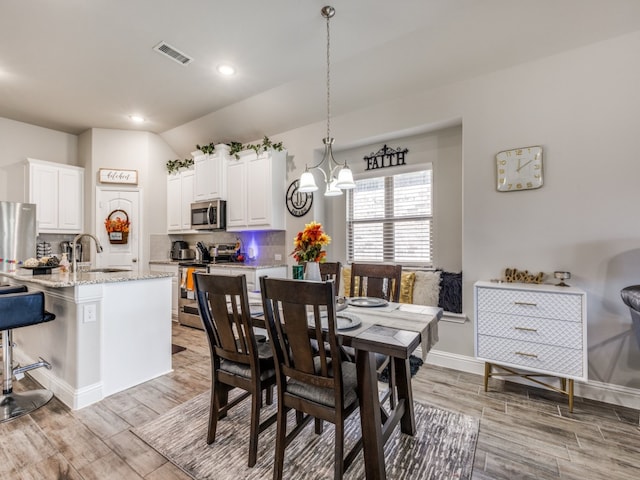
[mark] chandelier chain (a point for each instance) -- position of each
(328, 79)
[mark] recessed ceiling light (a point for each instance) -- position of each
(226, 70)
(136, 118)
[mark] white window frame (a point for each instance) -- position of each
(389, 220)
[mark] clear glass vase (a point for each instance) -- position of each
(312, 272)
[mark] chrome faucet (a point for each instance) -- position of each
(73, 247)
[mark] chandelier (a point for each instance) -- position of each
(328, 165)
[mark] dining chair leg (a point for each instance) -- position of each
(281, 433)
(339, 451)
(269, 395)
(319, 426)
(256, 400)
(214, 410)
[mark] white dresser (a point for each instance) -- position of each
(532, 330)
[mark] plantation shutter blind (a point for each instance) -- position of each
(390, 219)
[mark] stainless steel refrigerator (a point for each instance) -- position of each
(18, 230)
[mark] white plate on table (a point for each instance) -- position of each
(344, 321)
(367, 302)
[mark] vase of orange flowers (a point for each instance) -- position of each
(307, 249)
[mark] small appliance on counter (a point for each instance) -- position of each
(180, 251)
(65, 247)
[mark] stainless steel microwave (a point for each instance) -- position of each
(210, 215)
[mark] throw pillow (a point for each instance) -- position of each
(426, 289)
(406, 287)
(450, 292)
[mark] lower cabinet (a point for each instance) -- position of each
(175, 287)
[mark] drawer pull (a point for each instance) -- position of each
(526, 304)
(526, 329)
(524, 354)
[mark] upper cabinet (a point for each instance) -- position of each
(180, 187)
(58, 192)
(256, 186)
(210, 174)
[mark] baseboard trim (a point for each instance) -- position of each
(593, 390)
(75, 399)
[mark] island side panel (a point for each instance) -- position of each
(69, 343)
(136, 332)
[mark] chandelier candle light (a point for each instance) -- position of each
(344, 181)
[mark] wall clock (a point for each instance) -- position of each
(519, 169)
(298, 203)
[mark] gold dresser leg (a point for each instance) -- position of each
(487, 374)
(570, 396)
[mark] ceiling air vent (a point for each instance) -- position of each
(173, 53)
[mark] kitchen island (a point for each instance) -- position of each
(112, 331)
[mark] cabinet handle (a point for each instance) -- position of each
(524, 354)
(526, 304)
(526, 329)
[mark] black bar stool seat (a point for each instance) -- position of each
(631, 297)
(19, 308)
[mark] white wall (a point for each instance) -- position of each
(132, 150)
(582, 108)
(20, 140)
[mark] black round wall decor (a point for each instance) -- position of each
(298, 203)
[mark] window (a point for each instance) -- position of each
(390, 219)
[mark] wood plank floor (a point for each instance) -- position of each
(524, 432)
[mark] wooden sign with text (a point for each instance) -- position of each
(129, 177)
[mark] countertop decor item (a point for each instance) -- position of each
(562, 276)
(117, 227)
(519, 169)
(513, 275)
(309, 242)
(328, 165)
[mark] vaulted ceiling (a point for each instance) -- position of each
(78, 64)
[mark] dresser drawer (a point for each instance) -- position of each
(560, 361)
(539, 330)
(530, 303)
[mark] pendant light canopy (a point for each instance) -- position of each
(337, 176)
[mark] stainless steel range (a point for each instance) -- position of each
(187, 304)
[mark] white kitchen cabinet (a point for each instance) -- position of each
(58, 192)
(538, 329)
(211, 175)
(175, 287)
(256, 191)
(179, 198)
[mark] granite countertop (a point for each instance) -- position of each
(61, 280)
(225, 265)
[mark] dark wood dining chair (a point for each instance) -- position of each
(376, 280)
(380, 281)
(309, 381)
(331, 271)
(237, 359)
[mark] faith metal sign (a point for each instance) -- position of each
(386, 157)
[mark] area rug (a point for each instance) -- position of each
(442, 449)
(414, 365)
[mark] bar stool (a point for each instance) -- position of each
(631, 298)
(18, 308)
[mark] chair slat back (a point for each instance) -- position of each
(331, 271)
(376, 280)
(295, 311)
(223, 304)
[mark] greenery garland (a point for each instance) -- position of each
(234, 149)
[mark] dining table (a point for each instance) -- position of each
(389, 328)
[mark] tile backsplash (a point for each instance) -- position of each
(258, 247)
